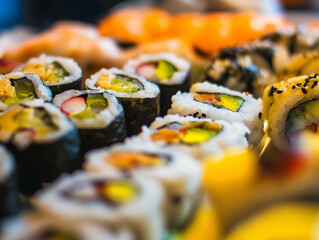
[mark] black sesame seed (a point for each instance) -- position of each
(306, 82)
(316, 75)
(203, 115)
(304, 91)
(279, 91)
(298, 84)
(314, 84)
(293, 87)
(259, 115)
(272, 90)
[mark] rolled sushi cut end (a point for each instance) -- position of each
(117, 202)
(207, 100)
(161, 68)
(39, 226)
(178, 174)
(97, 114)
(18, 87)
(9, 198)
(299, 113)
(58, 73)
(139, 97)
(168, 71)
(194, 136)
(35, 129)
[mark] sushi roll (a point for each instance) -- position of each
(97, 114)
(18, 87)
(196, 137)
(43, 140)
(32, 226)
(290, 107)
(178, 174)
(9, 199)
(57, 73)
(168, 71)
(131, 203)
(208, 100)
(139, 97)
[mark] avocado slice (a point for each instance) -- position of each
(230, 102)
(197, 135)
(164, 70)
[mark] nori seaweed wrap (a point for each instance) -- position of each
(18, 87)
(43, 140)
(139, 97)
(58, 73)
(97, 114)
(9, 199)
(168, 71)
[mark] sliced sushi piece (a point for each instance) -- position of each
(97, 114)
(36, 226)
(139, 97)
(58, 73)
(18, 87)
(208, 100)
(290, 107)
(168, 71)
(197, 137)
(43, 140)
(178, 174)
(114, 201)
(9, 198)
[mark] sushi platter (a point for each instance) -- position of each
(177, 127)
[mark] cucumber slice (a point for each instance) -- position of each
(24, 91)
(96, 101)
(125, 84)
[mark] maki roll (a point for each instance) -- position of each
(32, 226)
(43, 140)
(290, 107)
(208, 100)
(139, 97)
(196, 137)
(58, 73)
(97, 114)
(178, 174)
(168, 71)
(18, 87)
(117, 202)
(9, 199)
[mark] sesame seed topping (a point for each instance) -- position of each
(304, 90)
(279, 91)
(203, 115)
(298, 84)
(259, 115)
(293, 87)
(314, 84)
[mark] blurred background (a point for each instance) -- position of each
(41, 14)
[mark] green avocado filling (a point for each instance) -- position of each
(95, 103)
(24, 91)
(298, 117)
(220, 100)
(197, 135)
(112, 192)
(164, 70)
